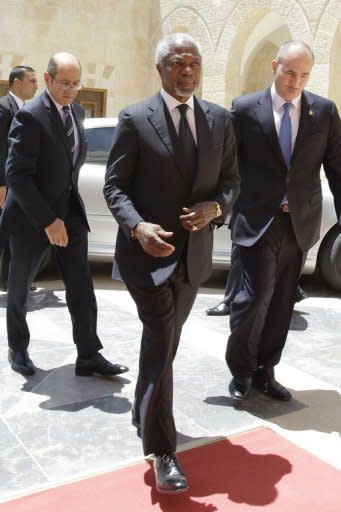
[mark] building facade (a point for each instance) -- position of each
(115, 42)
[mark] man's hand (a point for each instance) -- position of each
(150, 236)
(57, 234)
(3, 192)
(198, 216)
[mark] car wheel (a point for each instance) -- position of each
(330, 258)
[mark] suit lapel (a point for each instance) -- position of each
(12, 104)
(81, 139)
(162, 122)
(264, 113)
(204, 124)
(308, 118)
(56, 122)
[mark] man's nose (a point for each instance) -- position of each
(186, 69)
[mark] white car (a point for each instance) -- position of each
(325, 255)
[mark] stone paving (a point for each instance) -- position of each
(56, 427)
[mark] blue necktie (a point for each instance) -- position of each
(285, 134)
(69, 128)
(187, 142)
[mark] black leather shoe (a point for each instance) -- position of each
(300, 294)
(219, 310)
(239, 387)
(264, 380)
(98, 364)
(169, 476)
(20, 362)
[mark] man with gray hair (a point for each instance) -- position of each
(171, 175)
(284, 135)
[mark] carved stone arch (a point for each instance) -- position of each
(327, 49)
(334, 90)
(191, 22)
(240, 25)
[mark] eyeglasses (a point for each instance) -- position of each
(65, 84)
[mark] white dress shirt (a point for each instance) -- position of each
(278, 111)
(172, 104)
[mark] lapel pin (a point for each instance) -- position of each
(311, 113)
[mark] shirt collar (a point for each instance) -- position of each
(278, 101)
(172, 102)
(18, 100)
(58, 105)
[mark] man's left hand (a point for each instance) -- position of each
(198, 216)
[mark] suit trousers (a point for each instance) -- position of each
(27, 252)
(4, 259)
(261, 312)
(162, 310)
(235, 276)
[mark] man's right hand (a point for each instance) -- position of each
(57, 234)
(150, 236)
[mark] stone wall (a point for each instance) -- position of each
(115, 41)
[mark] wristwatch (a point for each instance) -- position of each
(218, 210)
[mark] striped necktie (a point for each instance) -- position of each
(68, 124)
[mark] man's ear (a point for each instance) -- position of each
(274, 65)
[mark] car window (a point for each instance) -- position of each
(99, 144)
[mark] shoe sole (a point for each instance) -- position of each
(265, 393)
(171, 491)
(26, 374)
(216, 314)
(90, 373)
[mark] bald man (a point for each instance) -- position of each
(284, 135)
(46, 151)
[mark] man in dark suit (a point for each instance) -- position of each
(43, 208)
(284, 134)
(170, 176)
(23, 84)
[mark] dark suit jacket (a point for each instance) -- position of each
(264, 177)
(146, 181)
(8, 109)
(40, 173)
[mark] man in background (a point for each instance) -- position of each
(23, 85)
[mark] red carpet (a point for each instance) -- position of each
(258, 470)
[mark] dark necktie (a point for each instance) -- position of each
(285, 134)
(68, 124)
(187, 142)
